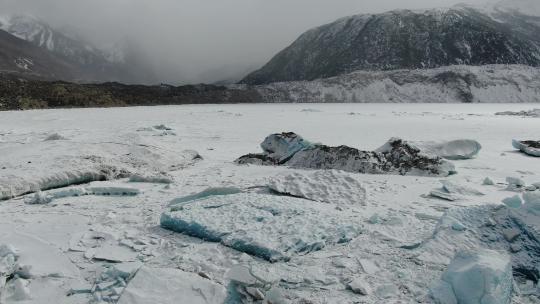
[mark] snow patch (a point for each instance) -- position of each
(165, 285)
(328, 186)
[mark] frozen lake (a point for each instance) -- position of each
(86, 236)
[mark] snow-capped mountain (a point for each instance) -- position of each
(88, 63)
(23, 58)
(405, 39)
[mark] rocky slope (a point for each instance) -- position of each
(23, 58)
(18, 93)
(405, 39)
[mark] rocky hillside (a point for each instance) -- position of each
(86, 62)
(404, 39)
(17, 93)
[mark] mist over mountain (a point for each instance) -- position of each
(82, 61)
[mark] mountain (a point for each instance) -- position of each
(86, 62)
(405, 39)
(21, 57)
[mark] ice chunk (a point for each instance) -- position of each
(452, 187)
(16, 291)
(44, 260)
(369, 266)
(114, 253)
(395, 157)
(330, 186)
(283, 146)
(124, 270)
(38, 198)
(359, 286)
(497, 227)
(166, 285)
(8, 263)
(452, 191)
(204, 194)
(444, 195)
(480, 277)
(515, 183)
(242, 275)
(453, 150)
(532, 202)
(488, 182)
(529, 147)
(513, 202)
(14, 187)
(267, 226)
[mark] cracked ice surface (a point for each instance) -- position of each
(396, 259)
(271, 227)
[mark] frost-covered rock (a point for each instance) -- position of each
(481, 277)
(395, 157)
(453, 150)
(329, 186)
(166, 285)
(268, 226)
(55, 136)
(529, 147)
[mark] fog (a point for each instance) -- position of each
(201, 40)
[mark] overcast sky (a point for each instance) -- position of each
(203, 40)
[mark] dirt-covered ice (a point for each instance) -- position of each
(83, 192)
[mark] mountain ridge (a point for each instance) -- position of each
(406, 39)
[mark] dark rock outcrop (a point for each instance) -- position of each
(395, 157)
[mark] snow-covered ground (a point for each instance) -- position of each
(364, 239)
